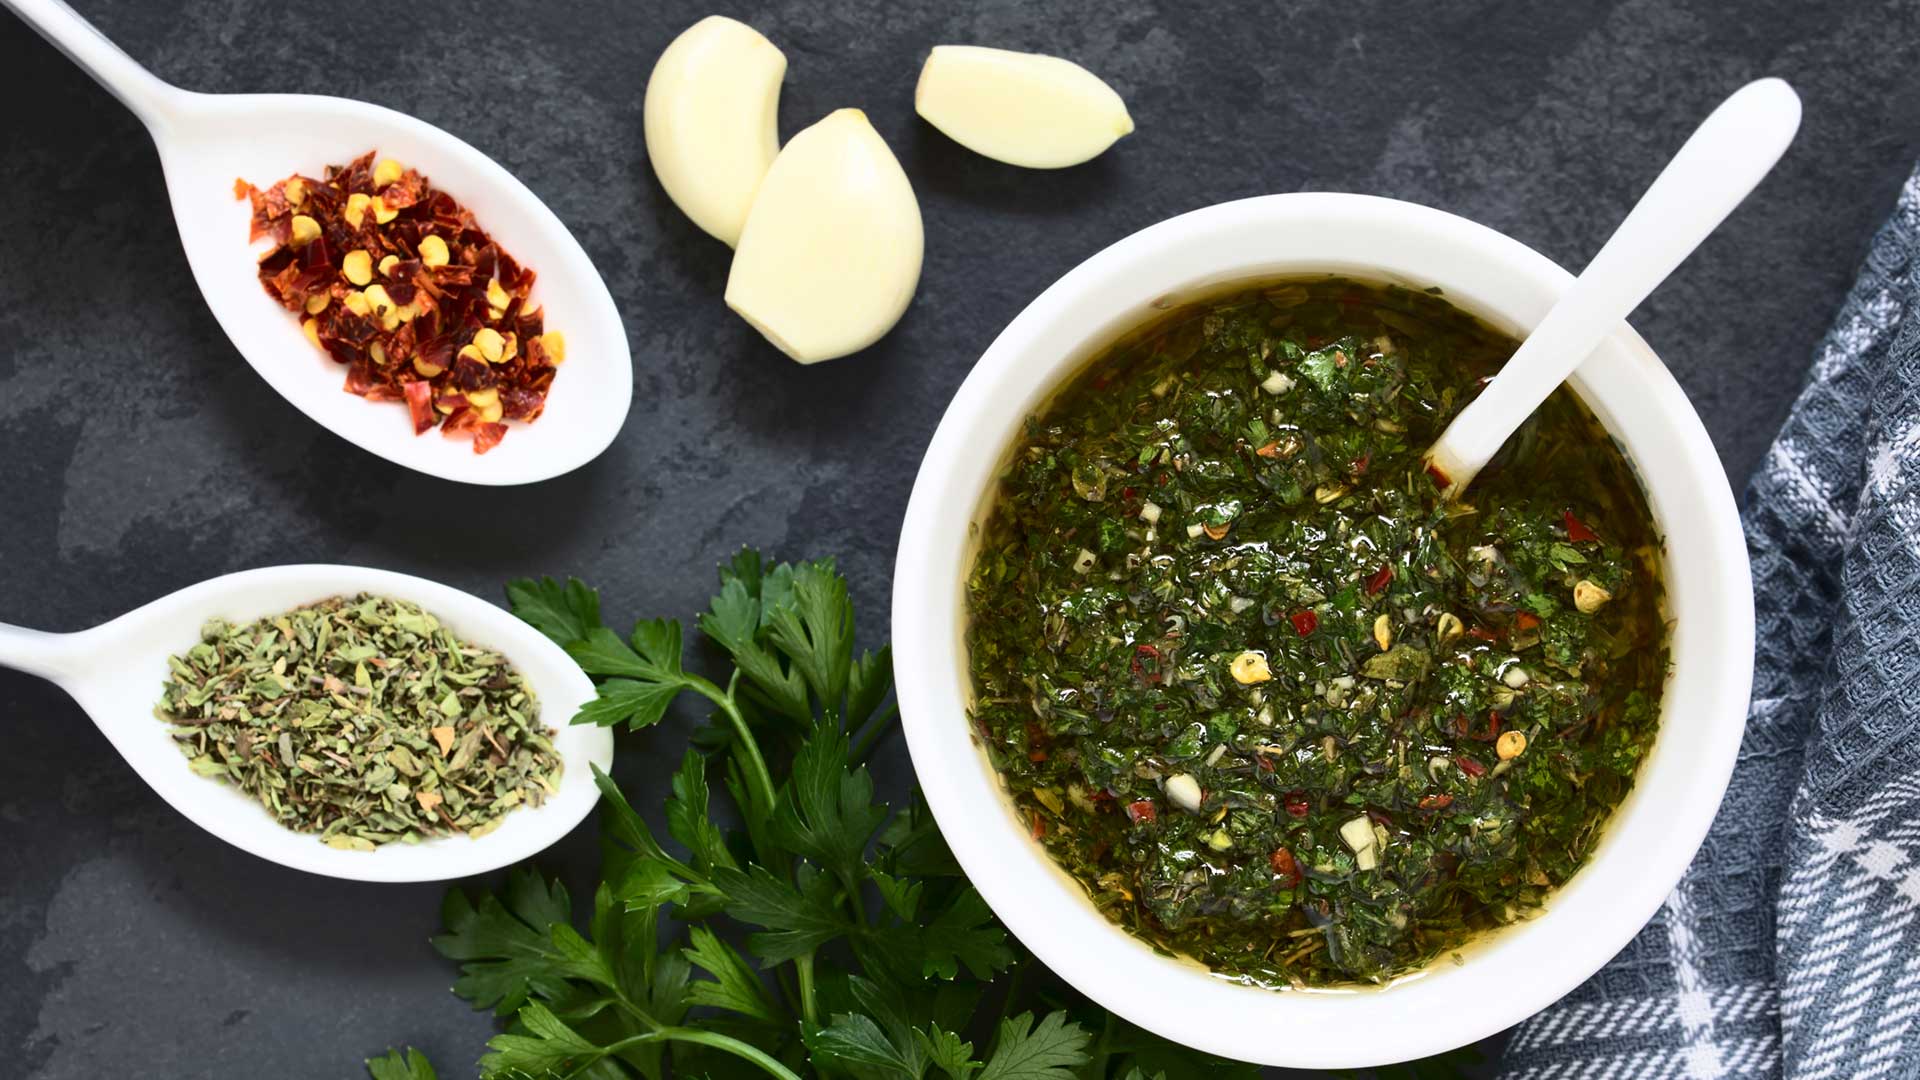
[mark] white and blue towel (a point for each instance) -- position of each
(1792, 946)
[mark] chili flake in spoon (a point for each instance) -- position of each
(395, 280)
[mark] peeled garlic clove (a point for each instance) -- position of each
(830, 255)
(710, 119)
(1041, 112)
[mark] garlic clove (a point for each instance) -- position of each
(830, 255)
(1026, 109)
(711, 122)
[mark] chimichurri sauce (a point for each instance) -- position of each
(1273, 703)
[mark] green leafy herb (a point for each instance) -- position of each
(811, 930)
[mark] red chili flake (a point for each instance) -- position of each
(1036, 755)
(1470, 766)
(1142, 810)
(1039, 826)
(1304, 622)
(1271, 450)
(1489, 733)
(449, 310)
(1380, 579)
(1146, 663)
(1296, 804)
(1482, 633)
(1260, 761)
(1436, 802)
(1577, 532)
(1360, 463)
(1441, 481)
(1102, 798)
(1525, 620)
(1286, 870)
(1380, 818)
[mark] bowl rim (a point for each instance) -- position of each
(1518, 970)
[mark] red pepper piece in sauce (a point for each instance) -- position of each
(1482, 633)
(1525, 620)
(1304, 622)
(1286, 870)
(1380, 579)
(1146, 664)
(1296, 803)
(1141, 810)
(1470, 766)
(1436, 802)
(1039, 826)
(1577, 532)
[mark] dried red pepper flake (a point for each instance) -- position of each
(1304, 622)
(1577, 532)
(1141, 810)
(1039, 826)
(1379, 580)
(1435, 802)
(1525, 620)
(1297, 804)
(1466, 730)
(1146, 663)
(1482, 633)
(1470, 766)
(1286, 870)
(394, 280)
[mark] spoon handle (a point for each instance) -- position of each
(36, 652)
(1732, 150)
(136, 87)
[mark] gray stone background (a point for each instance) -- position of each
(139, 454)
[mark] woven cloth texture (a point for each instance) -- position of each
(1792, 946)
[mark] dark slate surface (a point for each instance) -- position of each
(138, 454)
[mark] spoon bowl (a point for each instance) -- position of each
(207, 141)
(116, 670)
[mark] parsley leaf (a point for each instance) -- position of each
(394, 1066)
(828, 815)
(549, 1046)
(854, 1044)
(565, 613)
(1049, 1050)
(798, 918)
(734, 987)
(506, 949)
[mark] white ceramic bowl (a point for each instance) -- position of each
(1654, 833)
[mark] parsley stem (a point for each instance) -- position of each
(877, 727)
(757, 773)
(804, 966)
(717, 1041)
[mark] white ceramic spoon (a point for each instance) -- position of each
(206, 141)
(115, 671)
(1732, 150)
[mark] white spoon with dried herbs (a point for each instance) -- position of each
(116, 672)
(207, 141)
(1733, 149)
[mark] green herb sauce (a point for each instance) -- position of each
(1244, 477)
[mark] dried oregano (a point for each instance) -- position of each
(364, 721)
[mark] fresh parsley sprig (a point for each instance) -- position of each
(866, 952)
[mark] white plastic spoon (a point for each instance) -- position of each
(207, 141)
(1732, 150)
(115, 671)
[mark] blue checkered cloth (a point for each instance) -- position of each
(1792, 946)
